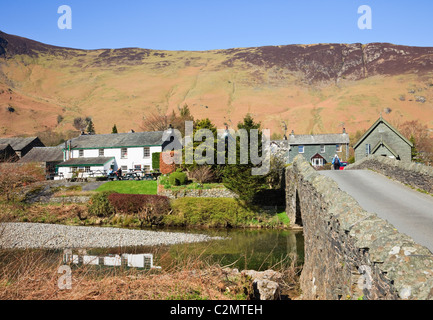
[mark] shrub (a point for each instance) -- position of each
(166, 168)
(13, 176)
(202, 174)
(149, 208)
(155, 160)
(212, 212)
(177, 178)
(99, 205)
(134, 203)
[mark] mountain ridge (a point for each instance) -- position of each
(297, 84)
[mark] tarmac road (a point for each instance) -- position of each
(408, 210)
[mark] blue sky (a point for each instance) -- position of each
(221, 24)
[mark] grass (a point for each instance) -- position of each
(129, 187)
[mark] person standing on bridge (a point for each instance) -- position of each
(336, 162)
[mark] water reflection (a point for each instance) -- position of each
(243, 249)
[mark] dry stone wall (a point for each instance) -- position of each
(351, 253)
(414, 174)
(197, 193)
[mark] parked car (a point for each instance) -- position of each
(343, 164)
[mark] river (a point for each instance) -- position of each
(257, 249)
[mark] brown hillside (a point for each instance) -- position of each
(313, 88)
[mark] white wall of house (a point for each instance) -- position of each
(65, 172)
(135, 156)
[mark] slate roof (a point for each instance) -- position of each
(117, 140)
(308, 139)
(43, 154)
(18, 143)
(98, 161)
(3, 146)
(378, 121)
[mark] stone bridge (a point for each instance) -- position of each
(352, 252)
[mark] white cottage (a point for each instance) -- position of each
(95, 155)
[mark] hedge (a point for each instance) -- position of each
(134, 203)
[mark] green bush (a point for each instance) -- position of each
(99, 205)
(211, 212)
(155, 160)
(177, 178)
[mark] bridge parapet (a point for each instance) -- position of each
(351, 253)
(416, 175)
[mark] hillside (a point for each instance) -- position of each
(313, 88)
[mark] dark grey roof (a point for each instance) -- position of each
(18, 143)
(306, 139)
(4, 146)
(374, 126)
(43, 154)
(117, 140)
(98, 161)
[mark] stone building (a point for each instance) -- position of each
(384, 140)
(22, 146)
(318, 149)
(7, 153)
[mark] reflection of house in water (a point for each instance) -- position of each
(142, 261)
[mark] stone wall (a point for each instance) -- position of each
(196, 193)
(351, 253)
(414, 174)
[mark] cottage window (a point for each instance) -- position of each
(338, 148)
(146, 169)
(81, 153)
(137, 167)
(146, 152)
(101, 152)
(322, 149)
(87, 169)
(124, 153)
(301, 149)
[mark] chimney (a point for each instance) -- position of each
(344, 130)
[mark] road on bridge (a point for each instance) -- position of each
(408, 210)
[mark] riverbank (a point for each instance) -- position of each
(51, 236)
(197, 213)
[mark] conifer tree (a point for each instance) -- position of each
(238, 177)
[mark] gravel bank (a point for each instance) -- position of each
(50, 236)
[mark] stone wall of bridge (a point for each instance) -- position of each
(351, 253)
(416, 175)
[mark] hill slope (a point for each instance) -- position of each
(313, 88)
